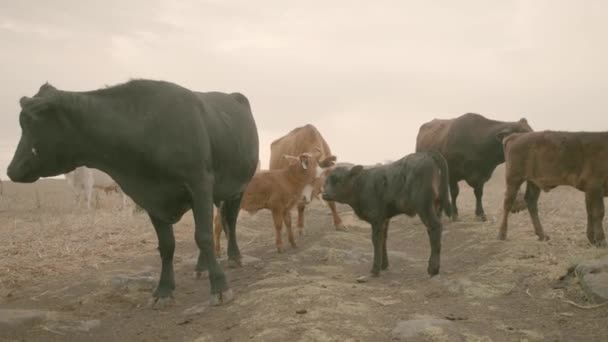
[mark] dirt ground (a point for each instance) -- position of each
(71, 264)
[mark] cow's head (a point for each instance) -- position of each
(44, 148)
(340, 183)
(509, 128)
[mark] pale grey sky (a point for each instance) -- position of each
(366, 73)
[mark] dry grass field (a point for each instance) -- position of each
(71, 264)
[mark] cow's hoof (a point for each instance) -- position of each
(161, 303)
(280, 250)
(375, 273)
(199, 274)
(455, 218)
(341, 227)
(221, 298)
(601, 244)
(235, 263)
(501, 236)
(433, 271)
(544, 237)
(482, 218)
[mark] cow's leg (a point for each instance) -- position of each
(287, 220)
(301, 207)
(594, 199)
(479, 212)
(434, 229)
(510, 195)
(384, 264)
(166, 246)
(202, 210)
(217, 232)
(277, 219)
(230, 213)
(334, 213)
(377, 241)
(531, 197)
(454, 190)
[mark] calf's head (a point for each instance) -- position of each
(340, 183)
(307, 168)
(44, 149)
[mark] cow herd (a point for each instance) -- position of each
(171, 149)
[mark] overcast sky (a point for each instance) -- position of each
(366, 73)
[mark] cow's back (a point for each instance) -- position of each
(299, 140)
(433, 134)
(550, 158)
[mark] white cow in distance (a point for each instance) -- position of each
(86, 180)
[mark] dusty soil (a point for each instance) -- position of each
(68, 262)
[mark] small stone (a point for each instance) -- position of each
(362, 279)
(384, 301)
(195, 310)
(138, 282)
(301, 311)
(406, 330)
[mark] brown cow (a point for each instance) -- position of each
(279, 191)
(545, 160)
(472, 146)
(300, 140)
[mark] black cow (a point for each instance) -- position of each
(415, 184)
(169, 149)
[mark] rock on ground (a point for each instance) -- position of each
(593, 277)
(429, 328)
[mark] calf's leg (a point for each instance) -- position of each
(301, 207)
(479, 212)
(202, 210)
(454, 190)
(277, 219)
(434, 229)
(510, 194)
(287, 220)
(229, 214)
(334, 213)
(378, 242)
(166, 246)
(531, 198)
(594, 200)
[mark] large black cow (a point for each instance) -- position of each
(415, 184)
(472, 146)
(169, 149)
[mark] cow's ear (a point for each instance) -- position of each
(33, 107)
(503, 134)
(328, 162)
(290, 159)
(305, 160)
(356, 170)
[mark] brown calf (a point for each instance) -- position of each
(548, 159)
(300, 140)
(279, 191)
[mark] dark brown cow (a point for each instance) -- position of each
(298, 141)
(545, 160)
(472, 146)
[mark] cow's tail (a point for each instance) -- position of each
(444, 187)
